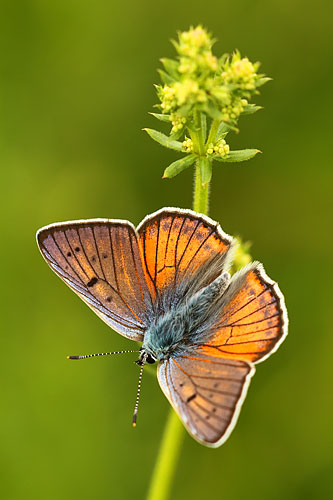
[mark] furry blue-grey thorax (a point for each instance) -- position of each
(186, 325)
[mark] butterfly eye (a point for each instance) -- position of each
(150, 359)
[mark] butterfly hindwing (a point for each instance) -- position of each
(100, 260)
(252, 319)
(181, 250)
(206, 392)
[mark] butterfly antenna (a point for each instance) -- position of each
(137, 397)
(99, 354)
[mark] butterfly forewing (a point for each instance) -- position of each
(252, 321)
(176, 245)
(206, 392)
(100, 260)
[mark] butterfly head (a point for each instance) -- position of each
(145, 358)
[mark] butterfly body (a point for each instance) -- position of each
(185, 326)
(165, 284)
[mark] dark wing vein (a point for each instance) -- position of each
(156, 249)
(113, 260)
(80, 287)
(250, 314)
(66, 260)
(191, 375)
(176, 248)
(198, 249)
(145, 259)
(189, 408)
(187, 244)
(85, 253)
(136, 269)
(244, 305)
(74, 254)
(97, 251)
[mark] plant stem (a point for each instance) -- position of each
(167, 459)
(169, 451)
(200, 202)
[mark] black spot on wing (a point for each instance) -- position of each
(190, 398)
(92, 282)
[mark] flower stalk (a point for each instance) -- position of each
(200, 92)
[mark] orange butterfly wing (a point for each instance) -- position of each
(178, 247)
(99, 259)
(253, 319)
(207, 387)
(206, 392)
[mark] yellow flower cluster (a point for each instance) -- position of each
(195, 49)
(196, 81)
(221, 148)
(178, 122)
(231, 111)
(188, 145)
(167, 96)
(197, 66)
(180, 93)
(194, 41)
(188, 91)
(241, 72)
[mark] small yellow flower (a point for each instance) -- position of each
(178, 121)
(193, 41)
(167, 96)
(188, 145)
(188, 91)
(221, 148)
(240, 72)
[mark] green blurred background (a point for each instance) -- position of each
(76, 85)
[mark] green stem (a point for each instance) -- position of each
(200, 202)
(169, 451)
(167, 459)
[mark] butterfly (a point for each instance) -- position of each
(166, 284)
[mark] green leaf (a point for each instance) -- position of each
(178, 166)
(240, 155)
(251, 108)
(222, 131)
(223, 59)
(161, 117)
(176, 135)
(262, 81)
(165, 77)
(164, 140)
(213, 111)
(171, 67)
(232, 126)
(205, 170)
